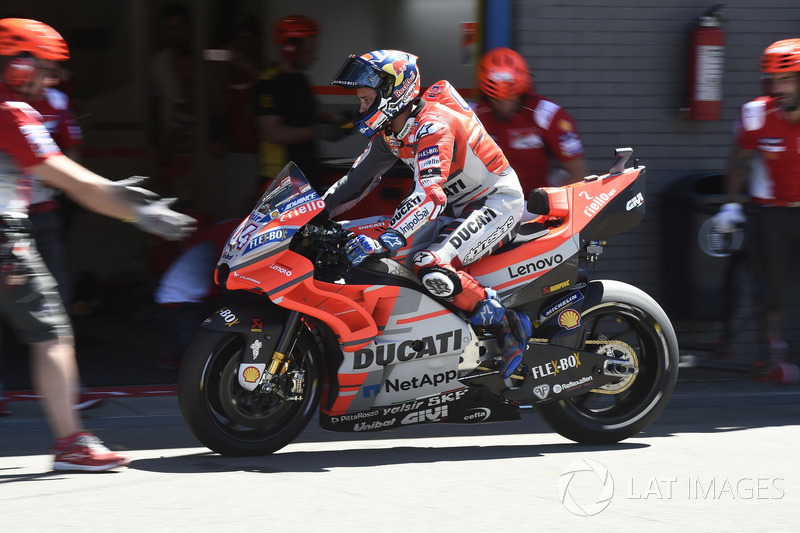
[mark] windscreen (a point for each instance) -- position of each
(289, 185)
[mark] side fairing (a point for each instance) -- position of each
(519, 268)
(416, 353)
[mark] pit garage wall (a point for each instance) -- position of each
(620, 68)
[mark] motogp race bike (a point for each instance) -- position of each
(369, 349)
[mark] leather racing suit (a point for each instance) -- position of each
(466, 200)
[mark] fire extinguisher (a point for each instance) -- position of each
(706, 66)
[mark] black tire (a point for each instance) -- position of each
(629, 315)
(231, 420)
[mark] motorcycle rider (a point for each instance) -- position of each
(29, 301)
(769, 127)
(466, 196)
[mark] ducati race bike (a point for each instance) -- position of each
(367, 348)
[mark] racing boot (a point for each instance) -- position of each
(516, 329)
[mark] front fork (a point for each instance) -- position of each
(279, 363)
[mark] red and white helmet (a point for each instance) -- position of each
(503, 74)
(781, 56)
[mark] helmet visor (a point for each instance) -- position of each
(356, 72)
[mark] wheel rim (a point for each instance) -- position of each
(626, 329)
(249, 416)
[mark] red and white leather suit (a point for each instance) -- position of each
(463, 187)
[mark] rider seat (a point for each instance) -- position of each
(549, 201)
(544, 201)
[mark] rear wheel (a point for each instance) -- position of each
(233, 421)
(627, 324)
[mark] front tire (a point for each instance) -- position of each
(636, 329)
(231, 420)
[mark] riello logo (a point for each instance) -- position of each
(598, 202)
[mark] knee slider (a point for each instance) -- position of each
(440, 282)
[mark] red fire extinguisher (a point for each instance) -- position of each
(706, 64)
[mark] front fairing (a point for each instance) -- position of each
(264, 236)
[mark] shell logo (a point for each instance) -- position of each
(569, 319)
(251, 374)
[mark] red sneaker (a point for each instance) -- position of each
(85, 452)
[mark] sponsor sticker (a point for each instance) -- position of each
(386, 354)
(256, 347)
(542, 391)
(428, 152)
(228, 316)
(569, 319)
(583, 382)
(434, 414)
(251, 374)
(477, 414)
(429, 162)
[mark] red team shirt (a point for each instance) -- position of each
(762, 126)
(59, 119)
(24, 142)
(534, 135)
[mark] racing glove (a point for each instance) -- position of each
(360, 247)
(728, 218)
(157, 218)
(128, 190)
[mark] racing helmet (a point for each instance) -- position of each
(781, 56)
(395, 77)
(20, 36)
(503, 74)
(288, 29)
(22, 43)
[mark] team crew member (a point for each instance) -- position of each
(769, 127)
(29, 301)
(466, 198)
(288, 117)
(531, 130)
(44, 210)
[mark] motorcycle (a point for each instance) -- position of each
(369, 349)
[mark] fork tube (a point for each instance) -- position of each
(278, 363)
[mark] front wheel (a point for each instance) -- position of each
(626, 324)
(233, 421)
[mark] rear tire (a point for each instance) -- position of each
(231, 420)
(632, 319)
